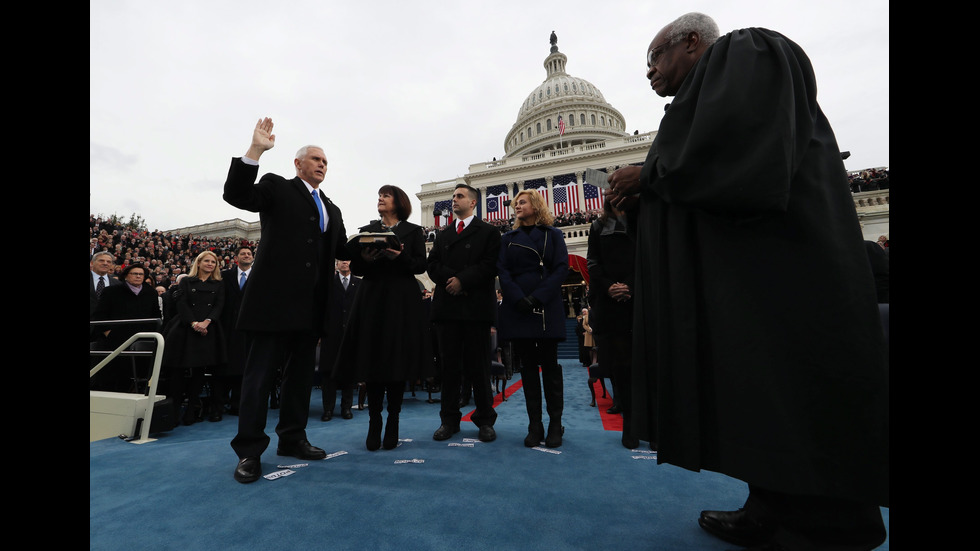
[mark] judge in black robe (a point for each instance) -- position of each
(758, 350)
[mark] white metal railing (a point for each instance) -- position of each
(151, 393)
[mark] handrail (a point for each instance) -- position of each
(154, 377)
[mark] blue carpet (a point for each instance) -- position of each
(178, 492)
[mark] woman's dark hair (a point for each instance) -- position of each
(129, 268)
(606, 212)
(403, 207)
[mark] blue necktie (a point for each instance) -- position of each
(241, 281)
(319, 208)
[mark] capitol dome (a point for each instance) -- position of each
(585, 113)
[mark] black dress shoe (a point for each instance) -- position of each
(444, 432)
(614, 410)
(248, 470)
(302, 450)
(215, 415)
(535, 434)
(327, 415)
(346, 414)
(487, 434)
(553, 440)
(736, 527)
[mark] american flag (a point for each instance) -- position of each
(593, 198)
(539, 185)
(447, 212)
(496, 195)
(561, 126)
(566, 193)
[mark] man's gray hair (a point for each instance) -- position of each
(301, 154)
(103, 253)
(696, 22)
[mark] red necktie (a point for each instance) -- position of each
(459, 228)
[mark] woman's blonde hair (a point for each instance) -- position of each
(542, 215)
(216, 274)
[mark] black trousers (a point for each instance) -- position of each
(329, 387)
(295, 352)
(543, 353)
(817, 523)
(616, 353)
(464, 350)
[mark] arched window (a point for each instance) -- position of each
(539, 128)
(581, 118)
(571, 119)
(548, 124)
(522, 136)
(593, 119)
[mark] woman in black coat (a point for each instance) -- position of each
(134, 299)
(195, 341)
(532, 266)
(386, 343)
(611, 276)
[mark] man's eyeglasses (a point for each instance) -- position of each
(654, 55)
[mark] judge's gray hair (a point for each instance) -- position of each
(301, 154)
(695, 22)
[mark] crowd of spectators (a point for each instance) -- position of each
(165, 255)
(871, 179)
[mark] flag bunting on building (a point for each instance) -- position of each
(593, 196)
(496, 195)
(540, 185)
(446, 217)
(565, 189)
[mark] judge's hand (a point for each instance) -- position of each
(624, 187)
(262, 139)
(453, 286)
(620, 292)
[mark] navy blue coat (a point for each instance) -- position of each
(532, 263)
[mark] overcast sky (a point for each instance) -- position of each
(400, 92)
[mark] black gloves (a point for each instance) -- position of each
(527, 304)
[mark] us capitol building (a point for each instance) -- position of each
(563, 127)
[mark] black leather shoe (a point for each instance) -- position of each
(487, 434)
(215, 414)
(302, 450)
(736, 527)
(535, 434)
(248, 470)
(327, 415)
(614, 410)
(444, 432)
(553, 440)
(346, 414)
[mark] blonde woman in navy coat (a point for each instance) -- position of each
(532, 266)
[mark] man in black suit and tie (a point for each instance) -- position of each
(283, 309)
(463, 265)
(341, 299)
(226, 388)
(100, 277)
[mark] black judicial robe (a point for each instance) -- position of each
(758, 348)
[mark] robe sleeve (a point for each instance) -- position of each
(732, 139)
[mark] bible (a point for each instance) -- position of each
(375, 240)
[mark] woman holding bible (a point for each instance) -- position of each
(386, 343)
